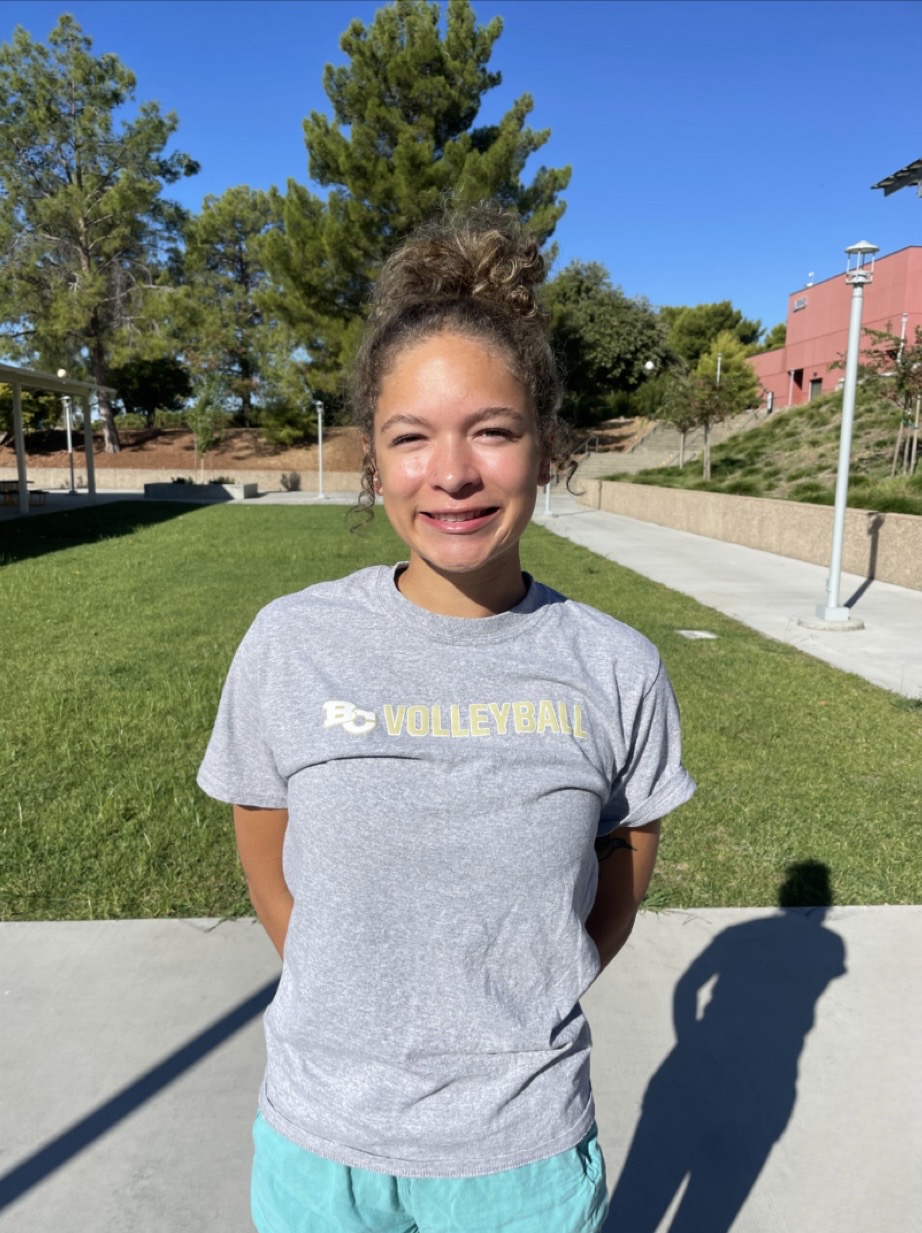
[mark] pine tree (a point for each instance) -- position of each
(403, 133)
(84, 231)
(227, 332)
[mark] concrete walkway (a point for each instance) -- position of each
(791, 1105)
(767, 592)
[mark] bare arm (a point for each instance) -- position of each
(626, 858)
(260, 835)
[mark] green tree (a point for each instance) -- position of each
(724, 384)
(891, 370)
(403, 133)
(84, 230)
(228, 331)
(669, 397)
(776, 337)
(603, 339)
(148, 386)
(40, 410)
(692, 330)
(207, 418)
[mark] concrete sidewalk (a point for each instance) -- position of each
(767, 592)
(134, 1053)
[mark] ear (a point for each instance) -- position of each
(544, 470)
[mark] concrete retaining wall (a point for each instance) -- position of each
(884, 546)
(134, 478)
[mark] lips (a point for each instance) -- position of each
(457, 521)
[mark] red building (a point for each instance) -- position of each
(818, 326)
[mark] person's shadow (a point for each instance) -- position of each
(723, 1096)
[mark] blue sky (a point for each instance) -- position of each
(719, 150)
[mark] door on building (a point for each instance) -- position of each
(816, 388)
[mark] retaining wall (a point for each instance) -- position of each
(134, 478)
(883, 546)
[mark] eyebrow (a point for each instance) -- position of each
(486, 413)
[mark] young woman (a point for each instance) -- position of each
(447, 783)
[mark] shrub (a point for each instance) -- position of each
(286, 425)
(291, 481)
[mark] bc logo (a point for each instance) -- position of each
(348, 717)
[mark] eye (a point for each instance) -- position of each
(494, 431)
(406, 438)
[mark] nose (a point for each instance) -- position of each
(453, 466)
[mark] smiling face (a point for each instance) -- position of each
(458, 463)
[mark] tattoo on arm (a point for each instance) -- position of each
(607, 844)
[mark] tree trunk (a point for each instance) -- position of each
(682, 436)
(707, 452)
(915, 438)
(101, 375)
(896, 448)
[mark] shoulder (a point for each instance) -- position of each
(332, 600)
(602, 639)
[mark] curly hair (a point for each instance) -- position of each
(475, 272)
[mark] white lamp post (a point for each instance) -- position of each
(857, 273)
(65, 400)
(318, 407)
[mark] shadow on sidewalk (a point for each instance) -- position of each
(724, 1095)
(82, 1134)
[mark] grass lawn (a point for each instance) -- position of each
(121, 622)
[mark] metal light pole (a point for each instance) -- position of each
(858, 275)
(65, 400)
(318, 407)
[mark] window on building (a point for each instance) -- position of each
(816, 388)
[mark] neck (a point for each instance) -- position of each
(463, 595)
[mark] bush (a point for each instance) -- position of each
(170, 419)
(291, 481)
(287, 425)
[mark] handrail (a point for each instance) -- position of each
(584, 448)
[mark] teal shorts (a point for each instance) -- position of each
(295, 1191)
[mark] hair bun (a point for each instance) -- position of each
(482, 253)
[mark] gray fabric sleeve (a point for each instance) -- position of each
(653, 780)
(239, 766)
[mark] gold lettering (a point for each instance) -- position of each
(564, 722)
(417, 720)
(437, 729)
(524, 716)
(477, 717)
(393, 718)
(454, 712)
(578, 730)
(547, 719)
(500, 712)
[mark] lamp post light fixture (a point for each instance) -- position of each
(859, 271)
(65, 402)
(318, 407)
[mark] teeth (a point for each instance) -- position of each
(459, 517)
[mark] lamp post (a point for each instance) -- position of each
(65, 401)
(857, 274)
(318, 407)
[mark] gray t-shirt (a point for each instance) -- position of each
(446, 779)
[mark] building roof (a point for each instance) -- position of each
(912, 174)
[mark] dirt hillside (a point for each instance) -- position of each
(173, 449)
